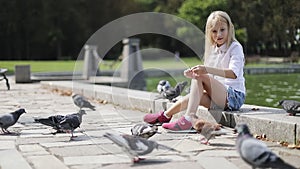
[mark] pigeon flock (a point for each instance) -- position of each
(139, 143)
(60, 123)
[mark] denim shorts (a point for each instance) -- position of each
(235, 99)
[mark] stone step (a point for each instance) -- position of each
(272, 122)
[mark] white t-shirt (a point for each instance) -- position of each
(232, 58)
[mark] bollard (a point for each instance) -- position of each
(22, 74)
(132, 64)
(90, 67)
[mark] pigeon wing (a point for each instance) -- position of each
(52, 121)
(70, 122)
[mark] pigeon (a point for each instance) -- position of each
(255, 152)
(10, 119)
(52, 121)
(163, 85)
(172, 93)
(290, 106)
(71, 122)
(144, 130)
(208, 130)
(136, 146)
(81, 102)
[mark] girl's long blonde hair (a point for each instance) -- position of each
(212, 20)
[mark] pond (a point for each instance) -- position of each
(262, 90)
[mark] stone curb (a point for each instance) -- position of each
(271, 122)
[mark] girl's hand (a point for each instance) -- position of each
(188, 73)
(199, 69)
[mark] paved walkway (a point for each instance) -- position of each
(35, 148)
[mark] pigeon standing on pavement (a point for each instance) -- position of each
(144, 130)
(10, 119)
(52, 121)
(255, 152)
(290, 106)
(71, 122)
(82, 102)
(136, 146)
(208, 130)
(172, 93)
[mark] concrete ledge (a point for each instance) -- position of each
(272, 122)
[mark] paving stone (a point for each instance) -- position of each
(46, 162)
(219, 153)
(216, 162)
(157, 165)
(31, 148)
(11, 159)
(99, 159)
(7, 145)
(84, 150)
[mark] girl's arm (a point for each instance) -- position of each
(201, 69)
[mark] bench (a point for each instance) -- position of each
(2, 73)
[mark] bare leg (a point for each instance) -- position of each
(182, 104)
(215, 91)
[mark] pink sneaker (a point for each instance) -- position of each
(156, 118)
(180, 124)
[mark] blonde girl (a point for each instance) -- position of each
(218, 83)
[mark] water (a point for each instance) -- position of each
(268, 90)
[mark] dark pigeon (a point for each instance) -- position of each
(52, 121)
(172, 93)
(290, 106)
(136, 146)
(255, 152)
(10, 119)
(144, 130)
(81, 102)
(71, 122)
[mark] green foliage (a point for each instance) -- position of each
(197, 11)
(241, 35)
(54, 29)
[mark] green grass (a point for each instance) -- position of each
(40, 66)
(61, 66)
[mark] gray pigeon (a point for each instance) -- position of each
(255, 152)
(135, 146)
(10, 119)
(71, 122)
(172, 93)
(144, 130)
(290, 106)
(81, 102)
